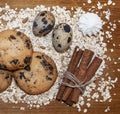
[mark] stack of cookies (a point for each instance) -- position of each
(34, 72)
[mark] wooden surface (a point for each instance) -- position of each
(56, 107)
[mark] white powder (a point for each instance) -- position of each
(90, 24)
(13, 19)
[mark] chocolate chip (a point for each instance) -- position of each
(15, 61)
(48, 78)
(18, 33)
(44, 21)
(69, 40)
(28, 44)
(39, 57)
(7, 76)
(27, 60)
(35, 24)
(27, 68)
(47, 66)
(22, 75)
(2, 66)
(59, 45)
(67, 28)
(12, 37)
(35, 82)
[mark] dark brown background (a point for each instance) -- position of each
(56, 107)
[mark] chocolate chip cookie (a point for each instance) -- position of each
(37, 77)
(15, 50)
(5, 80)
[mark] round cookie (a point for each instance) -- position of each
(15, 50)
(37, 77)
(5, 80)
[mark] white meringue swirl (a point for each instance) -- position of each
(90, 24)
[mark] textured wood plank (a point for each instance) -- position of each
(55, 106)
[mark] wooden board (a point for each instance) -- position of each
(56, 107)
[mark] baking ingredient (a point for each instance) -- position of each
(90, 24)
(43, 23)
(77, 54)
(62, 37)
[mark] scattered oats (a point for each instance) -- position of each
(114, 26)
(113, 70)
(114, 44)
(88, 99)
(112, 50)
(99, 5)
(107, 13)
(109, 58)
(89, 1)
(115, 62)
(105, 4)
(85, 110)
(110, 100)
(88, 105)
(95, 95)
(118, 70)
(113, 3)
(82, 103)
(22, 108)
(83, 4)
(109, 2)
(107, 109)
(112, 29)
(25, 20)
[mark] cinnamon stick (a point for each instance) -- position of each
(89, 75)
(69, 101)
(80, 72)
(71, 67)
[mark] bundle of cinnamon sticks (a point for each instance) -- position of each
(83, 66)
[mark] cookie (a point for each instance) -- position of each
(5, 80)
(37, 77)
(15, 50)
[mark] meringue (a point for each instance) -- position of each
(90, 24)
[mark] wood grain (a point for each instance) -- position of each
(56, 107)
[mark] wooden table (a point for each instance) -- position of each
(56, 107)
